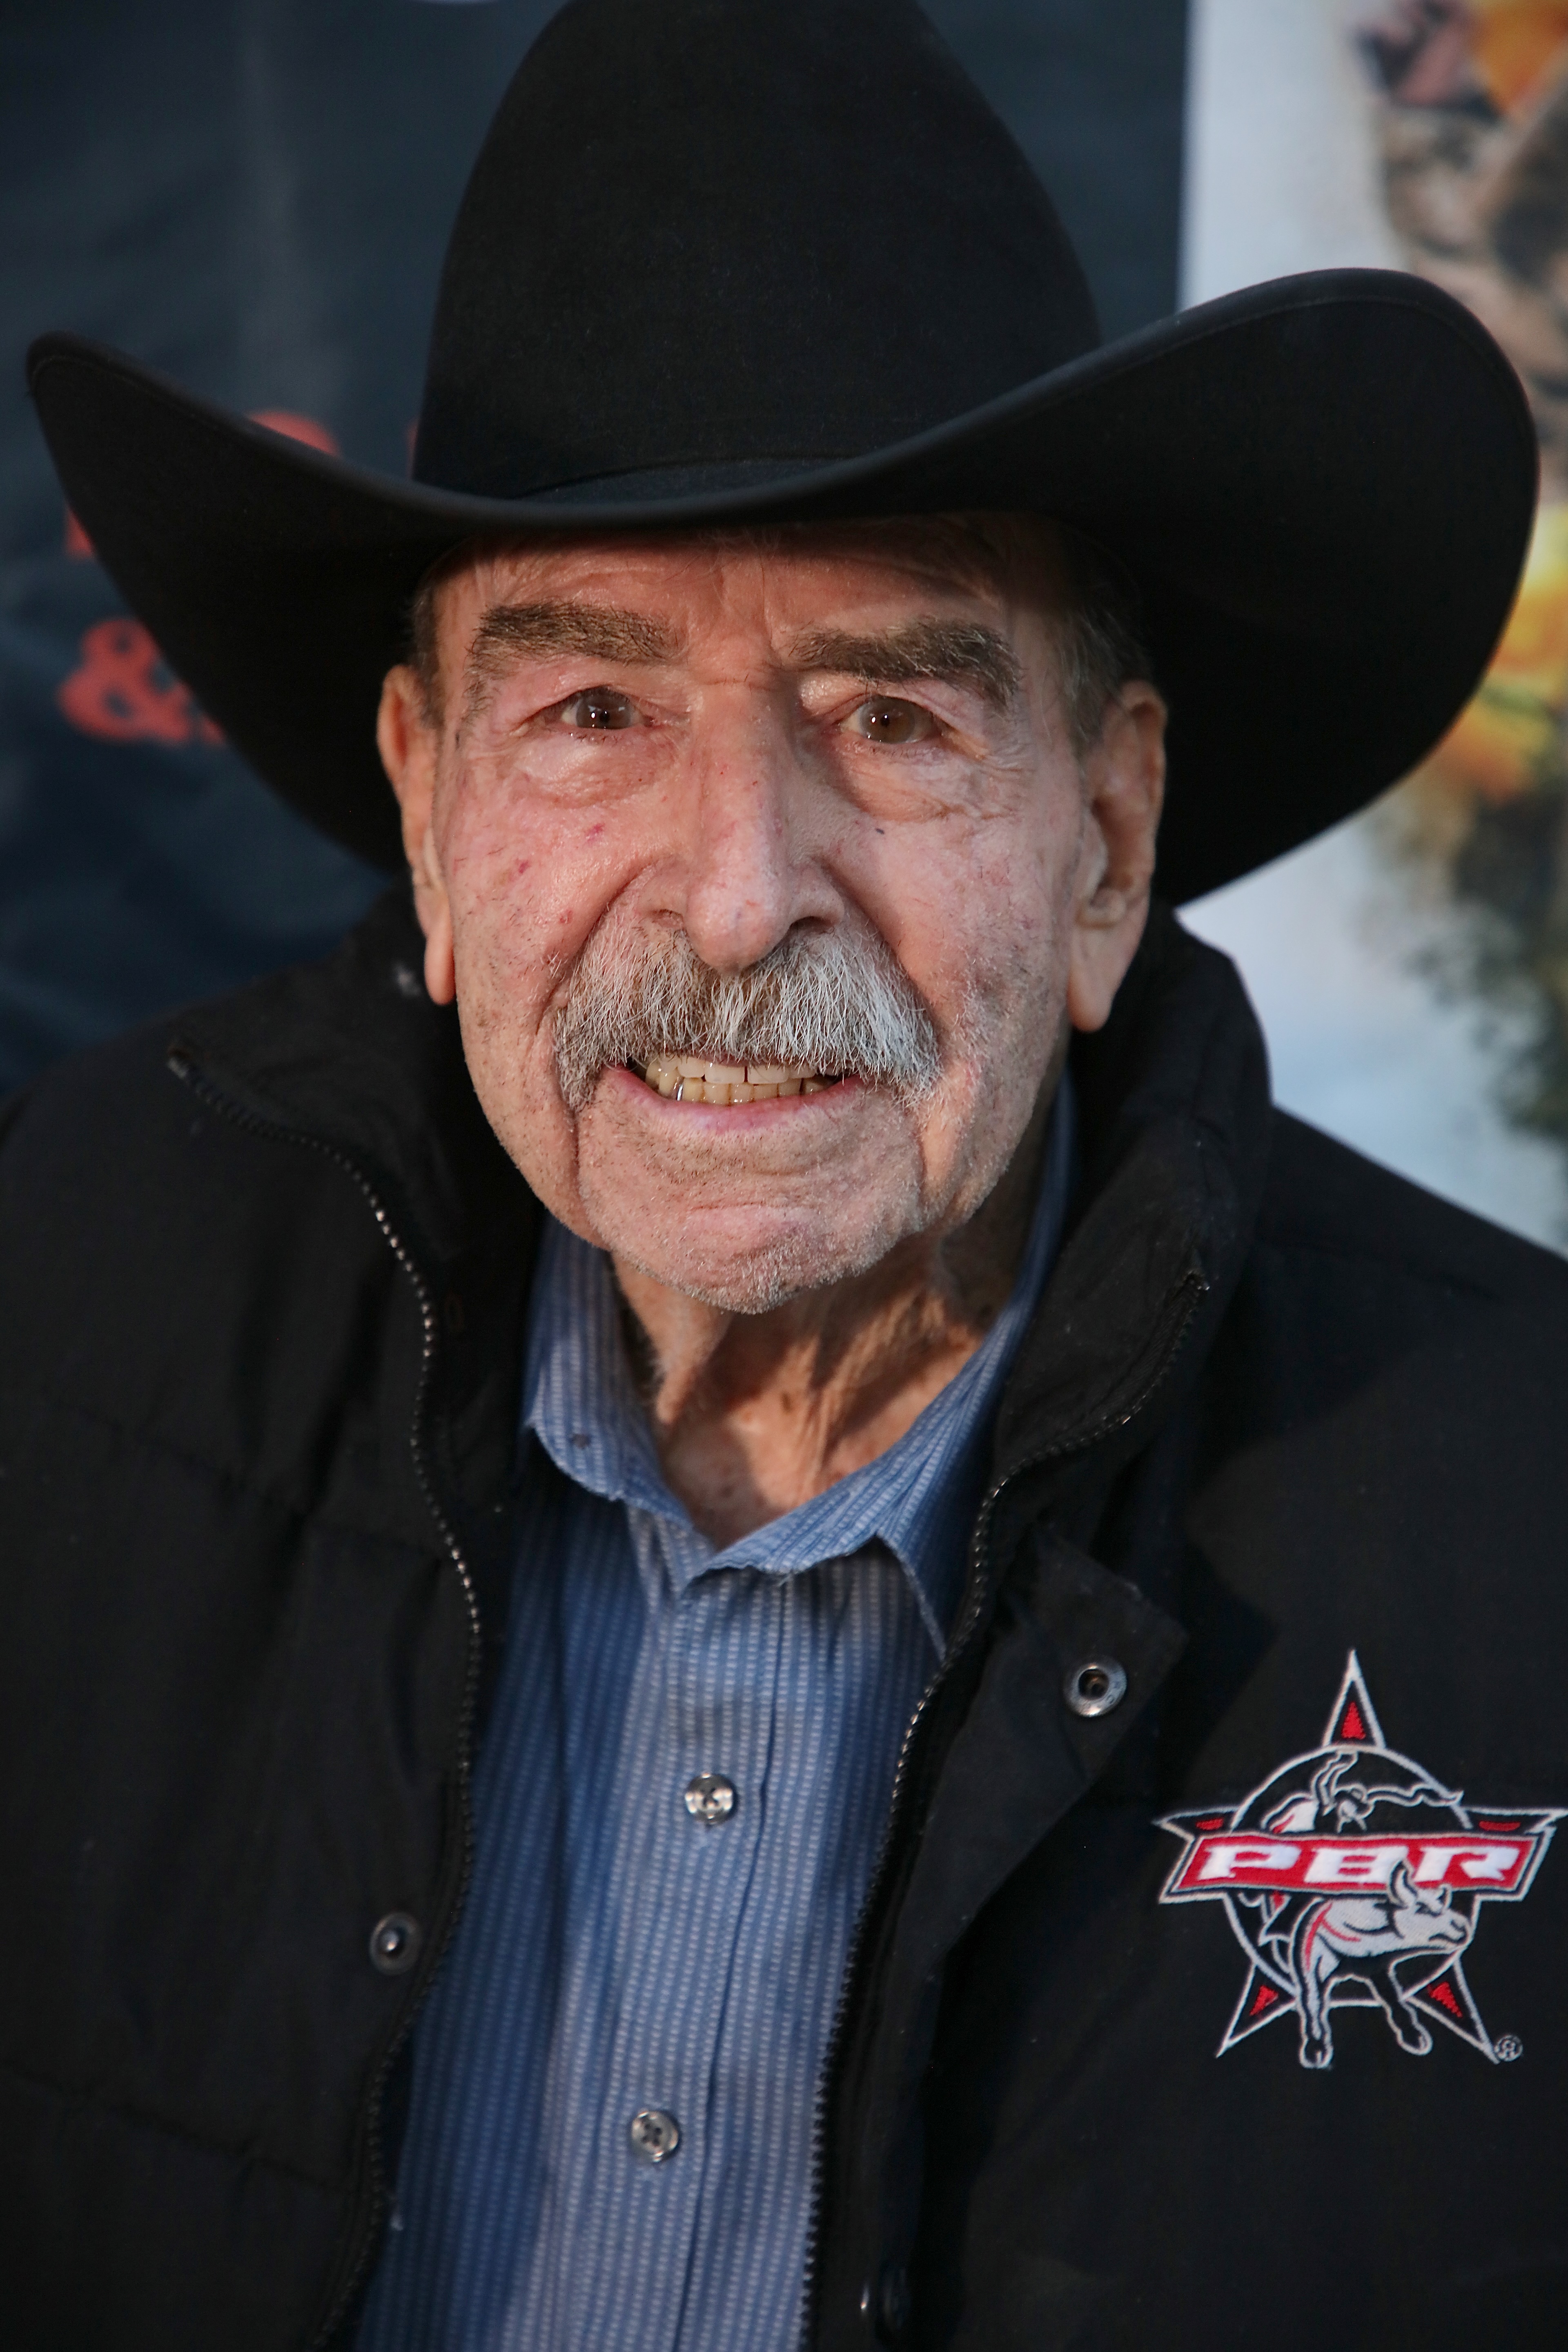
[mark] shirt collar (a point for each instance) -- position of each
(580, 1401)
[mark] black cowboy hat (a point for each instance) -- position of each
(752, 260)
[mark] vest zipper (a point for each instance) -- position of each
(252, 1123)
(1182, 1306)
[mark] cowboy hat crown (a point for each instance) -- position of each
(725, 261)
(707, 242)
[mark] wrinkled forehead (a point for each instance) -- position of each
(1015, 558)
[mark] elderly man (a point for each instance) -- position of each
(737, 1611)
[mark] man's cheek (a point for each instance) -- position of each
(507, 978)
(993, 979)
(517, 903)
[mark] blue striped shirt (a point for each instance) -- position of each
(619, 1956)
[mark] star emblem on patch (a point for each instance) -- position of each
(1353, 1879)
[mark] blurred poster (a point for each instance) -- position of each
(1412, 970)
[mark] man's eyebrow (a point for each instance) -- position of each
(965, 652)
(508, 633)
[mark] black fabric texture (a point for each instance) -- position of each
(732, 260)
(263, 1282)
(592, 225)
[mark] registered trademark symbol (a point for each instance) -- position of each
(1509, 2047)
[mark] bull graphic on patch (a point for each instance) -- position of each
(1353, 1879)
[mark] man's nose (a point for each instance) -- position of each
(750, 872)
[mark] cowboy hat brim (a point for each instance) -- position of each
(1323, 485)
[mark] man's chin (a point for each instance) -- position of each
(743, 1275)
(740, 1259)
(746, 1221)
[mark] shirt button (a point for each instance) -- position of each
(710, 1798)
(395, 1943)
(1095, 1686)
(653, 2134)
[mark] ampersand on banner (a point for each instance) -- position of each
(124, 691)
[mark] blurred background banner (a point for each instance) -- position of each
(255, 195)
(1411, 967)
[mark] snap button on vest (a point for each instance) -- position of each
(892, 2302)
(1095, 1686)
(395, 1943)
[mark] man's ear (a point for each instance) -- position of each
(410, 751)
(1124, 789)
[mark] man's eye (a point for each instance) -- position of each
(884, 720)
(599, 710)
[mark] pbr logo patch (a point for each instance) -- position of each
(1353, 1879)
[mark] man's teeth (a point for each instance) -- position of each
(688, 1079)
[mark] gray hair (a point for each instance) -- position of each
(836, 1002)
(1102, 646)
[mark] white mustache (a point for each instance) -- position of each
(838, 1001)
